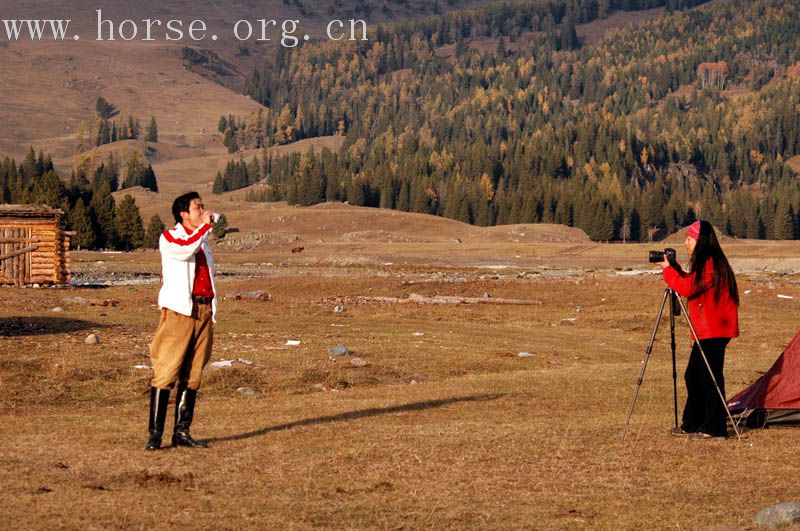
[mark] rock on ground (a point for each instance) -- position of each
(782, 514)
(338, 350)
(259, 295)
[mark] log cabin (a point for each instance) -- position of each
(34, 247)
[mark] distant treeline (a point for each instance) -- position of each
(91, 211)
(101, 129)
(546, 129)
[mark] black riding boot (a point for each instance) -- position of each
(184, 412)
(159, 398)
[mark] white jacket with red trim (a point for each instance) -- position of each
(178, 249)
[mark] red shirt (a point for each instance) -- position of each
(711, 318)
(202, 275)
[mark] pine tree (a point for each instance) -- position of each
(220, 227)
(783, 224)
(103, 133)
(292, 192)
(51, 191)
(404, 197)
(603, 8)
(130, 230)
(219, 184)
(102, 210)
(355, 192)
(106, 174)
(80, 222)
(153, 233)
(149, 180)
(603, 227)
(103, 108)
(253, 171)
(569, 36)
(133, 173)
(387, 199)
(458, 206)
(315, 184)
(152, 130)
(502, 49)
(137, 174)
(133, 127)
(28, 169)
(229, 140)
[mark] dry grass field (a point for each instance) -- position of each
(445, 427)
(442, 426)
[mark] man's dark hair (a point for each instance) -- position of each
(181, 204)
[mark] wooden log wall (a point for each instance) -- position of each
(46, 260)
(49, 263)
(15, 269)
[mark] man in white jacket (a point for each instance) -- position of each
(182, 345)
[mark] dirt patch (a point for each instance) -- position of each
(593, 32)
(150, 478)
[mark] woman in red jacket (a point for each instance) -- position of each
(710, 288)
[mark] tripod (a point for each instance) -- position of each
(676, 305)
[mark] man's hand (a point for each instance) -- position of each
(207, 217)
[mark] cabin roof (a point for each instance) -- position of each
(29, 211)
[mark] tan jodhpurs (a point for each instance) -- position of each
(181, 347)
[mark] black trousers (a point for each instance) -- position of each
(704, 410)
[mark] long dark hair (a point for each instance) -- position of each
(708, 248)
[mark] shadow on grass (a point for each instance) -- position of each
(37, 326)
(354, 415)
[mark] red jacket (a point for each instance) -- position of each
(710, 318)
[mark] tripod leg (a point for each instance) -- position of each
(710, 372)
(648, 352)
(672, 307)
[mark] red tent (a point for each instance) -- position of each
(774, 399)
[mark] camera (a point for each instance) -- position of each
(658, 256)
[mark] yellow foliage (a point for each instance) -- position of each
(486, 187)
(589, 171)
(357, 149)
(610, 186)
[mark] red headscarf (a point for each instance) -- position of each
(694, 230)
